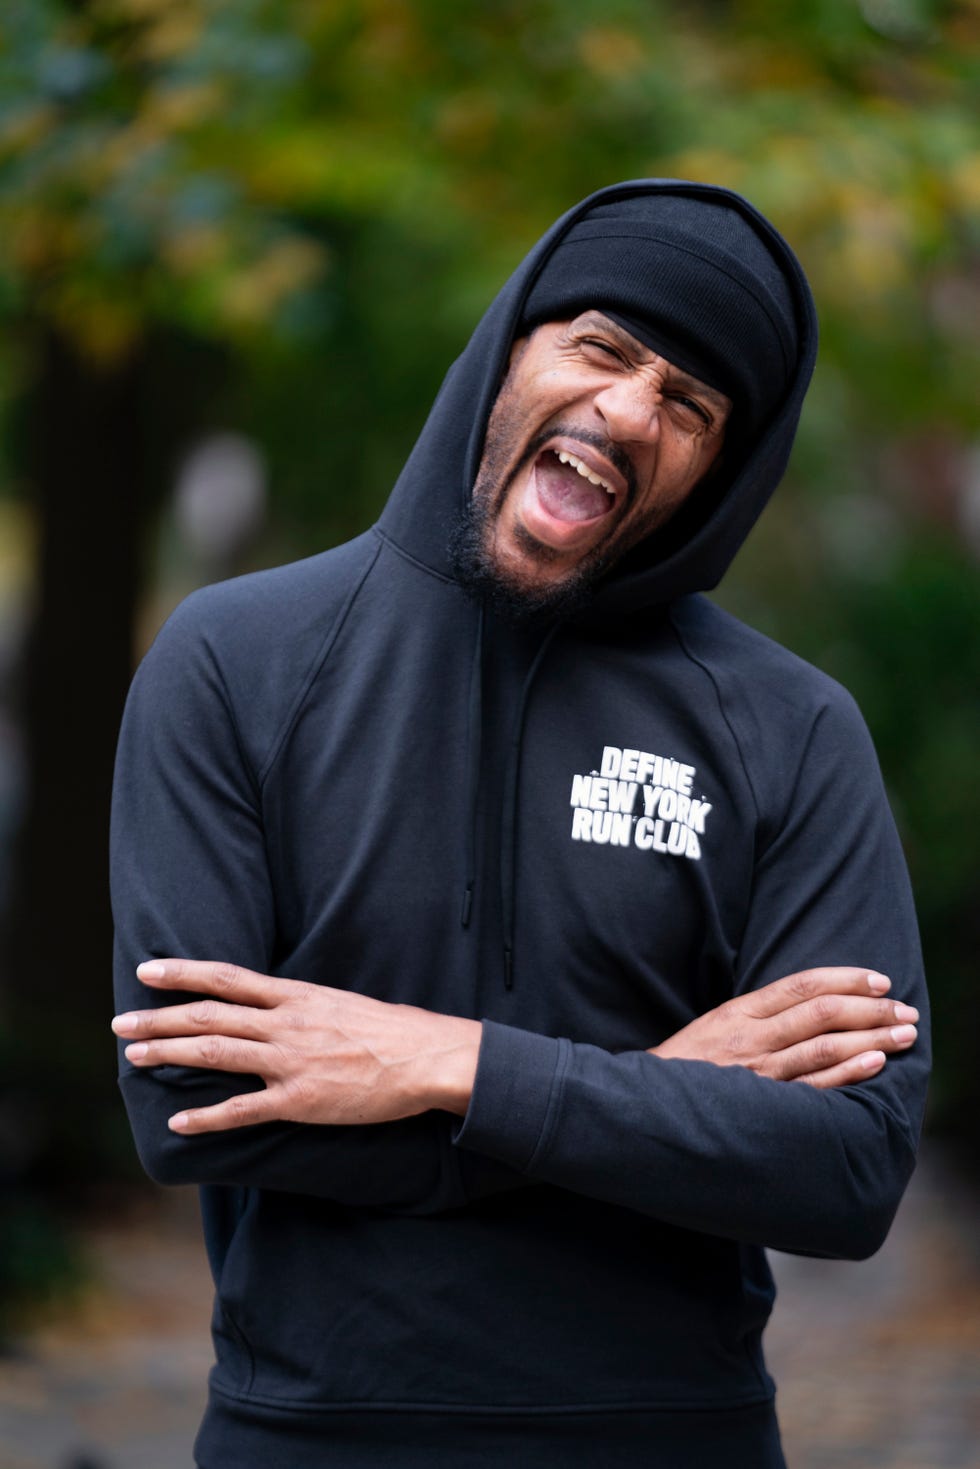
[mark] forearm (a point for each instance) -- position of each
(328, 1057)
(786, 1116)
(405, 1166)
(716, 1149)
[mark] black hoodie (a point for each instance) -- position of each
(586, 835)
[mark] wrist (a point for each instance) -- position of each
(451, 1068)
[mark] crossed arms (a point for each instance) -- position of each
(328, 1056)
(728, 1147)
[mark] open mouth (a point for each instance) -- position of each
(569, 489)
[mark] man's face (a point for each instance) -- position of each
(593, 442)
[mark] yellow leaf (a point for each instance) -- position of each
(104, 328)
(964, 181)
(18, 541)
(705, 165)
(173, 109)
(42, 239)
(196, 248)
(25, 129)
(611, 53)
(253, 293)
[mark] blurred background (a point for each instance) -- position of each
(240, 242)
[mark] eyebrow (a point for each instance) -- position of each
(720, 400)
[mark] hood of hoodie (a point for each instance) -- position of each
(693, 551)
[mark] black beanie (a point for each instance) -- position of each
(694, 281)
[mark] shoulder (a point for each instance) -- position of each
(784, 714)
(753, 672)
(279, 608)
(251, 645)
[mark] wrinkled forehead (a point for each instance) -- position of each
(634, 336)
(691, 278)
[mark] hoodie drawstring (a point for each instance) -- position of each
(474, 751)
(508, 825)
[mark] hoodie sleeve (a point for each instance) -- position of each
(721, 1149)
(189, 878)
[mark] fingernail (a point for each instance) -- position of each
(177, 1123)
(903, 1035)
(150, 969)
(878, 984)
(871, 1060)
(906, 1012)
(122, 1023)
(136, 1051)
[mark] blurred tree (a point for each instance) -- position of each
(283, 216)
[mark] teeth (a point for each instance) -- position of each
(584, 471)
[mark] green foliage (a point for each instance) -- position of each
(123, 197)
(200, 152)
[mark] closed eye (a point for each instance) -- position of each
(693, 404)
(605, 347)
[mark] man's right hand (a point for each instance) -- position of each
(828, 1027)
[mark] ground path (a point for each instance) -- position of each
(879, 1363)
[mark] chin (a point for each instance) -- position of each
(518, 588)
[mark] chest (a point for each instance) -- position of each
(568, 847)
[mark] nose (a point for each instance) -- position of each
(631, 410)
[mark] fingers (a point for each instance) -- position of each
(232, 989)
(217, 1052)
(808, 984)
(205, 977)
(245, 1110)
(827, 1015)
(826, 1055)
(199, 1018)
(848, 1073)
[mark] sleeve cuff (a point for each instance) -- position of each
(517, 1075)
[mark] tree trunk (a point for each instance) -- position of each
(85, 456)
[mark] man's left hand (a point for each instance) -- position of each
(325, 1055)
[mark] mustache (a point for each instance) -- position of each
(612, 451)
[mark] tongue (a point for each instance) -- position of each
(566, 494)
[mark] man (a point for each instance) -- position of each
(490, 816)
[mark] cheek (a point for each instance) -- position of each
(691, 466)
(678, 472)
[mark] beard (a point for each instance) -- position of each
(517, 597)
(520, 599)
(514, 599)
